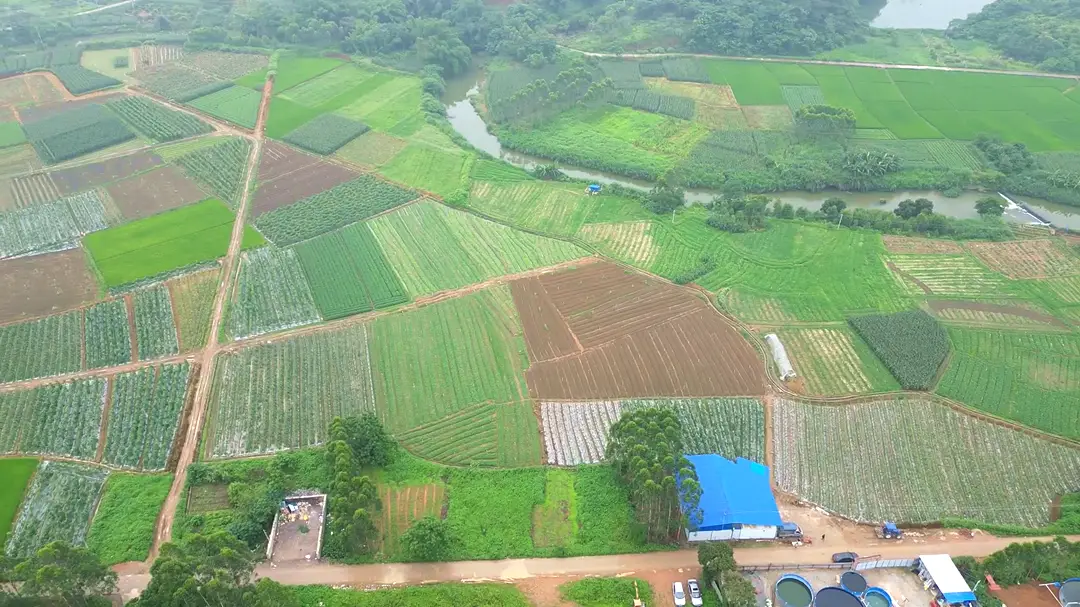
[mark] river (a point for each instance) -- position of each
(925, 14)
(468, 122)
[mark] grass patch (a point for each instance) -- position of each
(236, 104)
(15, 476)
(555, 520)
(123, 528)
(752, 83)
(427, 169)
(293, 70)
(182, 237)
(428, 595)
(490, 512)
(11, 134)
(606, 592)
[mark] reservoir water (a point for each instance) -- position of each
(925, 14)
(470, 124)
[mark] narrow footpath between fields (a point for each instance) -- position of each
(133, 582)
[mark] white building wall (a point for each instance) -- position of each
(746, 532)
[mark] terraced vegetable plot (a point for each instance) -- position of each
(58, 506)
(434, 361)
(1020, 375)
(435, 248)
(155, 331)
(57, 419)
(983, 472)
(271, 294)
(145, 409)
(835, 362)
(1027, 258)
(348, 273)
(335, 208)
(156, 121)
(237, 104)
(503, 435)
(262, 396)
(50, 346)
(630, 241)
(52, 226)
(108, 334)
(951, 275)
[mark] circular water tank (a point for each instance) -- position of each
(793, 591)
(834, 596)
(1070, 592)
(853, 582)
(877, 597)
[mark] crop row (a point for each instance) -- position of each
(76, 132)
(237, 104)
(51, 226)
(154, 328)
(221, 167)
(57, 507)
(271, 294)
(60, 419)
(836, 456)
(577, 433)
(179, 82)
(912, 345)
(465, 438)
(685, 69)
(48, 346)
(157, 121)
(326, 133)
(335, 208)
(145, 409)
(649, 101)
(283, 395)
(798, 96)
(108, 334)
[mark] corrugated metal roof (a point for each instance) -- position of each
(734, 492)
(947, 578)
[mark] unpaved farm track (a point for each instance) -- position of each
(196, 417)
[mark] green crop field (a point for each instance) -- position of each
(154, 328)
(50, 346)
(390, 105)
(123, 527)
(108, 334)
(193, 302)
(434, 361)
(271, 294)
(237, 104)
(948, 275)
(540, 205)
(157, 121)
(15, 474)
(11, 133)
(429, 169)
(732, 427)
(348, 273)
(434, 248)
(220, 166)
(907, 473)
(1020, 375)
(58, 506)
(911, 344)
(752, 83)
(257, 406)
(318, 90)
(186, 236)
(56, 419)
(503, 435)
(335, 208)
(145, 410)
(834, 361)
(80, 80)
(293, 70)
(326, 133)
(76, 132)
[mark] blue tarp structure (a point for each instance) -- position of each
(733, 493)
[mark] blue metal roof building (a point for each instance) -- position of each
(737, 501)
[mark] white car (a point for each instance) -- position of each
(680, 596)
(695, 593)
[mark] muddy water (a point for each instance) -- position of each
(468, 122)
(925, 14)
(792, 593)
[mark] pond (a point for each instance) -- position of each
(925, 14)
(468, 122)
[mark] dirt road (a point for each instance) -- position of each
(521, 569)
(936, 68)
(163, 532)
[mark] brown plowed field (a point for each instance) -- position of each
(13, 91)
(694, 355)
(43, 284)
(1027, 595)
(640, 337)
(978, 311)
(32, 189)
(1026, 258)
(279, 159)
(44, 88)
(82, 177)
(150, 193)
(296, 186)
(908, 244)
(547, 334)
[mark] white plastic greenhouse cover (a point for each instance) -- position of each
(780, 356)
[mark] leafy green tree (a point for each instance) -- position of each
(371, 444)
(664, 197)
(866, 166)
(352, 498)
(832, 208)
(737, 590)
(645, 450)
(991, 206)
(428, 539)
(715, 558)
(1009, 158)
(57, 574)
(268, 593)
(909, 209)
(210, 569)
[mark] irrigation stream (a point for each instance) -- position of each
(468, 122)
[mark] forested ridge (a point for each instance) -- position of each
(1043, 32)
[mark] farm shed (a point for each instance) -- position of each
(737, 501)
(779, 354)
(945, 579)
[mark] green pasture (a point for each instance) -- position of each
(429, 169)
(15, 476)
(123, 527)
(11, 134)
(291, 71)
(182, 237)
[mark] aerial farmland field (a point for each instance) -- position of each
(58, 506)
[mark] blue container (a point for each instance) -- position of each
(853, 582)
(1070, 591)
(877, 597)
(793, 591)
(835, 596)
